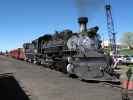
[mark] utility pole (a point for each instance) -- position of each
(111, 32)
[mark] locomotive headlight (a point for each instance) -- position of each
(35, 51)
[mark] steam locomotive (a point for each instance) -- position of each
(78, 54)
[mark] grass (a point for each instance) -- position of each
(126, 52)
(131, 65)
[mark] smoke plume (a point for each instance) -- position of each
(88, 7)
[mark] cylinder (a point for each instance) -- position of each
(83, 23)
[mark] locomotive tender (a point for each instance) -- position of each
(77, 54)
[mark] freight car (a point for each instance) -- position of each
(77, 54)
(1, 53)
(17, 53)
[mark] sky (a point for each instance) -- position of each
(22, 21)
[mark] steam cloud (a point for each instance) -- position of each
(87, 7)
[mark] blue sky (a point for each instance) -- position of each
(24, 20)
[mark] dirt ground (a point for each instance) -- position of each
(44, 84)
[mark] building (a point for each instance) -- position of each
(119, 45)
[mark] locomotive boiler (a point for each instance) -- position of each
(78, 54)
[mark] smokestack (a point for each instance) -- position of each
(83, 23)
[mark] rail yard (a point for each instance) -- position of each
(68, 64)
(60, 56)
(64, 66)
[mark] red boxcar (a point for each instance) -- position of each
(1, 53)
(17, 53)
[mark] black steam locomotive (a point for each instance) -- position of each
(77, 54)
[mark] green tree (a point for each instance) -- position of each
(128, 39)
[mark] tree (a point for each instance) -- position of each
(128, 39)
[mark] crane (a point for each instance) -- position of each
(110, 27)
